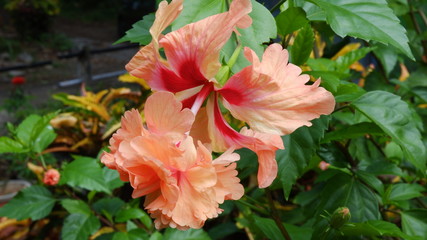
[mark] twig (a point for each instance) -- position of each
(417, 26)
(275, 215)
(277, 5)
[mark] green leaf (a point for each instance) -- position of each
(76, 206)
(135, 234)
(271, 230)
(371, 180)
(25, 128)
(291, 20)
(140, 31)
(387, 57)
(405, 191)
(414, 222)
(34, 202)
(222, 230)
(368, 20)
(110, 205)
(394, 117)
(373, 228)
(302, 46)
(342, 190)
(344, 62)
(262, 29)
(194, 11)
(300, 147)
(130, 213)
(42, 134)
(112, 178)
(348, 92)
(156, 236)
(79, 226)
(353, 131)
(190, 234)
(86, 173)
(8, 145)
(329, 79)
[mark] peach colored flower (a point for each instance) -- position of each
(51, 177)
(183, 185)
(271, 95)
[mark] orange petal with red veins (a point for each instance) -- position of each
(271, 96)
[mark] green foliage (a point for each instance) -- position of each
(394, 117)
(86, 173)
(291, 20)
(140, 31)
(34, 202)
(79, 226)
(191, 234)
(300, 147)
(194, 11)
(368, 20)
(303, 45)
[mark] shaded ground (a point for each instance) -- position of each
(43, 81)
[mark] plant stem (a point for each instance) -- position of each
(253, 207)
(417, 26)
(275, 215)
(277, 5)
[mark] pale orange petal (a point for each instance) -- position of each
(164, 115)
(193, 50)
(265, 147)
(271, 96)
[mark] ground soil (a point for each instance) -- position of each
(42, 82)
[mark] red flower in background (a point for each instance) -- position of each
(18, 80)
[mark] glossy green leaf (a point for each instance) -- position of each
(134, 234)
(190, 234)
(387, 57)
(371, 180)
(34, 202)
(156, 236)
(374, 228)
(299, 148)
(368, 20)
(194, 11)
(262, 29)
(405, 191)
(414, 223)
(394, 117)
(342, 190)
(271, 230)
(79, 226)
(110, 205)
(353, 131)
(130, 213)
(112, 178)
(25, 128)
(344, 62)
(42, 135)
(8, 145)
(76, 206)
(86, 173)
(140, 31)
(329, 79)
(303, 45)
(291, 20)
(348, 92)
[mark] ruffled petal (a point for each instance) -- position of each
(271, 96)
(265, 146)
(228, 186)
(193, 50)
(164, 116)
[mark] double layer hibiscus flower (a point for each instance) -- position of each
(182, 184)
(169, 161)
(270, 95)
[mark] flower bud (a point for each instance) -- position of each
(340, 217)
(51, 177)
(18, 80)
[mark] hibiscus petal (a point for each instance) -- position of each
(271, 96)
(164, 116)
(193, 50)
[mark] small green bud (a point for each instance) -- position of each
(340, 217)
(223, 74)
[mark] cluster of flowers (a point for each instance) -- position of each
(169, 158)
